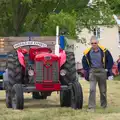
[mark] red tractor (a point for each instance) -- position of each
(41, 72)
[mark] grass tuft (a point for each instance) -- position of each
(50, 109)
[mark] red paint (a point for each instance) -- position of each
(48, 86)
(62, 57)
(42, 56)
(21, 57)
(34, 51)
(23, 50)
(115, 70)
(39, 55)
(53, 57)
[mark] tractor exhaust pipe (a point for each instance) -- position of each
(57, 41)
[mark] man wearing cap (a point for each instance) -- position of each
(97, 63)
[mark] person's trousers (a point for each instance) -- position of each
(98, 75)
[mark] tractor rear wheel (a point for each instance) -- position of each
(14, 69)
(70, 78)
(14, 75)
(70, 68)
(76, 96)
(38, 95)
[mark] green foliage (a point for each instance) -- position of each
(117, 78)
(66, 21)
(12, 16)
(42, 16)
(5, 17)
(20, 9)
(114, 5)
(42, 11)
(97, 14)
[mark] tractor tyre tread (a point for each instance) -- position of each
(65, 98)
(76, 87)
(14, 69)
(70, 67)
(18, 90)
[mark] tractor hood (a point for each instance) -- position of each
(46, 57)
(52, 57)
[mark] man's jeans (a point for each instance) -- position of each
(97, 75)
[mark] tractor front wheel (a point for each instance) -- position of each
(65, 97)
(17, 97)
(8, 99)
(76, 95)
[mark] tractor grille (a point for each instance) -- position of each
(39, 71)
(55, 71)
(43, 73)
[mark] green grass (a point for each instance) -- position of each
(50, 110)
(117, 78)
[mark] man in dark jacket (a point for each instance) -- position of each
(97, 63)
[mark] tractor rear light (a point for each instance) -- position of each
(62, 72)
(30, 72)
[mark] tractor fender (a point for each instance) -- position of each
(62, 57)
(21, 58)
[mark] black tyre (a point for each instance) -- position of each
(17, 97)
(65, 98)
(70, 68)
(76, 96)
(38, 95)
(8, 98)
(14, 69)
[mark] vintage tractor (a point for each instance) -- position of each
(40, 71)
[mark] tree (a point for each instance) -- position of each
(12, 15)
(99, 13)
(5, 17)
(20, 9)
(18, 16)
(114, 5)
(66, 21)
(42, 10)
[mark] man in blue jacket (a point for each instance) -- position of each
(97, 63)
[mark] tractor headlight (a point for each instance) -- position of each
(30, 72)
(62, 72)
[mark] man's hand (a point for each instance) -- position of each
(106, 70)
(110, 78)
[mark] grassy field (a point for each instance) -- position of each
(50, 110)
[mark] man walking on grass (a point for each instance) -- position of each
(97, 62)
